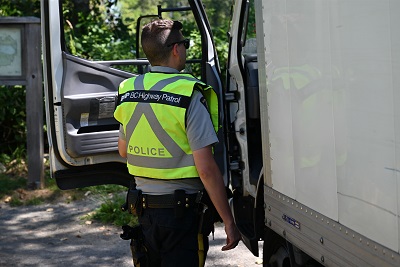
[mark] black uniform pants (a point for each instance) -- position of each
(172, 241)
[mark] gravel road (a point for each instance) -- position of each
(56, 235)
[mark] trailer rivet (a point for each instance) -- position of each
(284, 233)
(322, 259)
(321, 240)
(269, 208)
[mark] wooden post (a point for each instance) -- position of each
(31, 76)
(34, 106)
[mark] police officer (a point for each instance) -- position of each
(168, 127)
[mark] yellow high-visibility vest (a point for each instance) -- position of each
(152, 109)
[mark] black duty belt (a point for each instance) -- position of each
(180, 199)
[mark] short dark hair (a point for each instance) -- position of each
(156, 36)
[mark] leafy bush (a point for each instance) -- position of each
(19, 8)
(13, 123)
(96, 32)
(110, 212)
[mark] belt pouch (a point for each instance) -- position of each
(179, 198)
(134, 204)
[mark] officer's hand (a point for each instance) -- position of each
(232, 237)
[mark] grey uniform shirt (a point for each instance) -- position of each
(200, 132)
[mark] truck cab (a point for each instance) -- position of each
(318, 148)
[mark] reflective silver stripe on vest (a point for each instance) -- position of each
(179, 157)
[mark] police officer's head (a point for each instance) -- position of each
(164, 44)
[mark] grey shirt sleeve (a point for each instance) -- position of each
(121, 132)
(200, 130)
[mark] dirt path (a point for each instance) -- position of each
(56, 235)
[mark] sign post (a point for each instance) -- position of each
(20, 64)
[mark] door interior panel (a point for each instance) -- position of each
(90, 127)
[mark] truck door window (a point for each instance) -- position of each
(249, 52)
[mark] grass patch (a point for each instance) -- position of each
(15, 202)
(104, 190)
(35, 201)
(9, 183)
(110, 212)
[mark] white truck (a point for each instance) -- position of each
(311, 140)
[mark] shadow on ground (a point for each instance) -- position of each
(56, 235)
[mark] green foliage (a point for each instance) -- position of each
(16, 202)
(218, 13)
(96, 32)
(222, 47)
(104, 190)
(8, 184)
(35, 201)
(112, 198)
(110, 212)
(13, 122)
(132, 10)
(19, 8)
(89, 37)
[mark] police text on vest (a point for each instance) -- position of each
(147, 151)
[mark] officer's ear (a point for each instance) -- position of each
(175, 50)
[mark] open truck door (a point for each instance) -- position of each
(81, 95)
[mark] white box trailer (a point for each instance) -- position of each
(329, 126)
